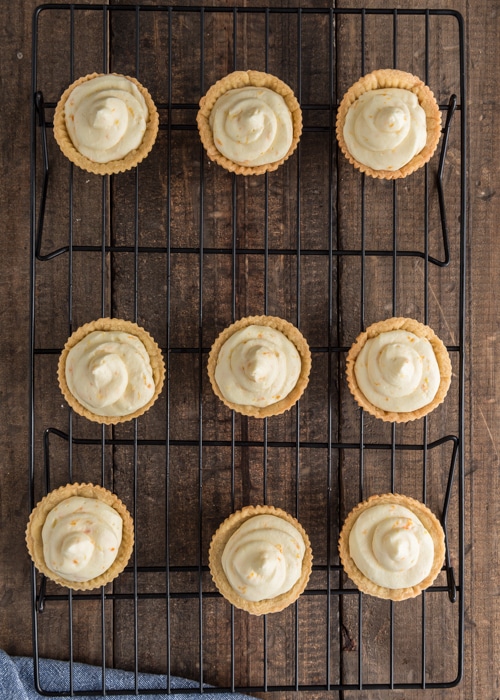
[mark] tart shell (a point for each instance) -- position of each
(218, 543)
(294, 335)
(112, 324)
(428, 520)
(39, 515)
(391, 78)
(240, 79)
(422, 331)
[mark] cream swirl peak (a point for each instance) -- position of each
(81, 538)
(109, 373)
(391, 547)
(257, 366)
(385, 128)
(398, 371)
(106, 117)
(263, 557)
(251, 125)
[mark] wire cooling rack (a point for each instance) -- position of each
(184, 248)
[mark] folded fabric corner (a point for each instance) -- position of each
(17, 682)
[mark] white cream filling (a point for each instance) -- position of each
(398, 371)
(251, 126)
(391, 547)
(109, 372)
(106, 117)
(81, 538)
(263, 557)
(385, 128)
(257, 366)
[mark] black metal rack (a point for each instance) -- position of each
(64, 296)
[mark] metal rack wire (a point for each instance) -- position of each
(59, 443)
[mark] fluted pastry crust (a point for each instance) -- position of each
(218, 543)
(430, 523)
(392, 78)
(114, 166)
(240, 79)
(419, 329)
(112, 324)
(51, 500)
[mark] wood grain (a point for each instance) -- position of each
(172, 297)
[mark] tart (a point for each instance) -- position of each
(259, 366)
(249, 122)
(111, 371)
(260, 559)
(392, 546)
(388, 124)
(398, 370)
(80, 535)
(106, 123)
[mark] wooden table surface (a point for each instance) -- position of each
(250, 232)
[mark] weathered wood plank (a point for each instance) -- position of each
(481, 641)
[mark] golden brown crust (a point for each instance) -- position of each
(430, 523)
(391, 78)
(294, 335)
(39, 515)
(419, 329)
(115, 166)
(239, 79)
(218, 543)
(112, 324)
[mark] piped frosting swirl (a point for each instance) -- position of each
(81, 538)
(391, 547)
(106, 117)
(263, 557)
(257, 366)
(398, 371)
(109, 373)
(251, 126)
(385, 128)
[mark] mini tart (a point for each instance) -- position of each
(218, 543)
(112, 324)
(240, 79)
(419, 329)
(40, 513)
(114, 166)
(430, 523)
(391, 78)
(294, 335)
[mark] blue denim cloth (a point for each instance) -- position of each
(16, 681)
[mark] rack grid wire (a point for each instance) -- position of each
(311, 243)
